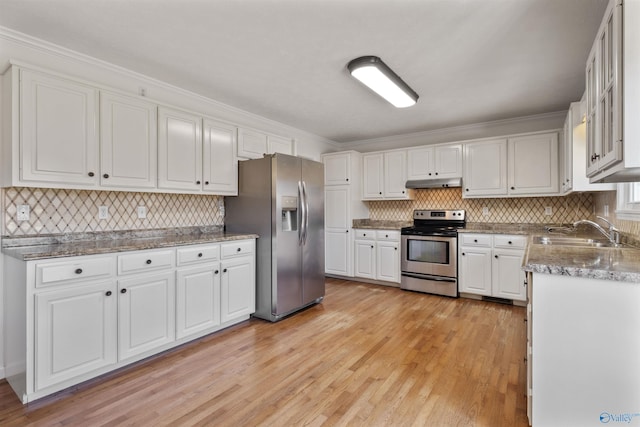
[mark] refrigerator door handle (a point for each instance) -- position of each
(306, 213)
(301, 210)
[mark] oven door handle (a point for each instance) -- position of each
(428, 277)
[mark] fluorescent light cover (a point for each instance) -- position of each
(375, 74)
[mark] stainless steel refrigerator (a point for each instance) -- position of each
(281, 198)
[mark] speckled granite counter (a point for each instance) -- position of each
(75, 244)
(620, 264)
(503, 228)
(380, 224)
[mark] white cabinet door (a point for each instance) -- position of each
(395, 175)
(146, 313)
(566, 154)
(336, 202)
(508, 277)
(533, 164)
(75, 331)
(388, 261)
(337, 253)
(252, 144)
(58, 130)
(197, 299)
(485, 168)
(420, 163)
(337, 169)
(238, 288)
(128, 142)
(373, 176)
(365, 259)
(220, 165)
(448, 161)
(279, 144)
(475, 270)
(179, 150)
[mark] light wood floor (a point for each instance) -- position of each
(368, 355)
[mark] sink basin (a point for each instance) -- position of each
(573, 241)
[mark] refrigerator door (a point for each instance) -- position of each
(313, 233)
(286, 241)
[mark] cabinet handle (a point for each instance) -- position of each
(78, 271)
(148, 261)
(216, 272)
(91, 174)
(200, 255)
(105, 176)
(224, 271)
(108, 293)
(495, 256)
(198, 182)
(123, 291)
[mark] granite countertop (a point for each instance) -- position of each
(503, 228)
(380, 224)
(75, 244)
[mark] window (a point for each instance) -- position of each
(628, 204)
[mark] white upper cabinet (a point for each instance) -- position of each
(440, 161)
(385, 175)
(220, 165)
(179, 150)
(128, 142)
(533, 164)
(58, 131)
(613, 96)
(485, 168)
(254, 144)
(337, 168)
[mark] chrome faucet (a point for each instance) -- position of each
(613, 234)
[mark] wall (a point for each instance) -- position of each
(609, 198)
(517, 210)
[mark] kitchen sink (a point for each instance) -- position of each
(573, 241)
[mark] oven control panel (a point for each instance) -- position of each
(442, 215)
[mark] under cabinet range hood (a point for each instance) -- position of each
(434, 183)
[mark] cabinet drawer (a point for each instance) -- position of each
(144, 261)
(232, 249)
(365, 234)
(191, 255)
(483, 240)
(508, 241)
(388, 235)
(79, 269)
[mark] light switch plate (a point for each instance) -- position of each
(23, 212)
(142, 212)
(485, 211)
(548, 211)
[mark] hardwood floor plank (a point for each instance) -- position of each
(368, 355)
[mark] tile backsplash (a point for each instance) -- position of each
(55, 211)
(517, 210)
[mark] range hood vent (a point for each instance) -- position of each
(434, 183)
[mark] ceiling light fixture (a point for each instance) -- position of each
(375, 74)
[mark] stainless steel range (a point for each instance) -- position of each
(429, 252)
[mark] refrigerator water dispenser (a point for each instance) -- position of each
(289, 213)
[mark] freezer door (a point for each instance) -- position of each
(313, 233)
(286, 242)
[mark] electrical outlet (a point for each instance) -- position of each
(142, 212)
(23, 212)
(606, 210)
(485, 211)
(548, 211)
(103, 212)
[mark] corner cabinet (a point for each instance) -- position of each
(72, 319)
(613, 96)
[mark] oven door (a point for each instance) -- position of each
(429, 255)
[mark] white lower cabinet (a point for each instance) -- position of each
(377, 254)
(490, 265)
(75, 331)
(73, 319)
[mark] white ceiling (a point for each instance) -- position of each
(470, 61)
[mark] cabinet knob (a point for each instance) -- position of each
(475, 240)
(238, 250)
(513, 188)
(436, 173)
(148, 261)
(200, 255)
(381, 192)
(395, 249)
(347, 179)
(108, 293)
(206, 183)
(495, 256)
(371, 246)
(224, 271)
(525, 320)
(386, 235)
(364, 234)
(105, 176)
(463, 254)
(466, 189)
(429, 173)
(198, 182)
(123, 291)
(510, 242)
(91, 174)
(347, 231)
(78, 271)
(216, 272)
